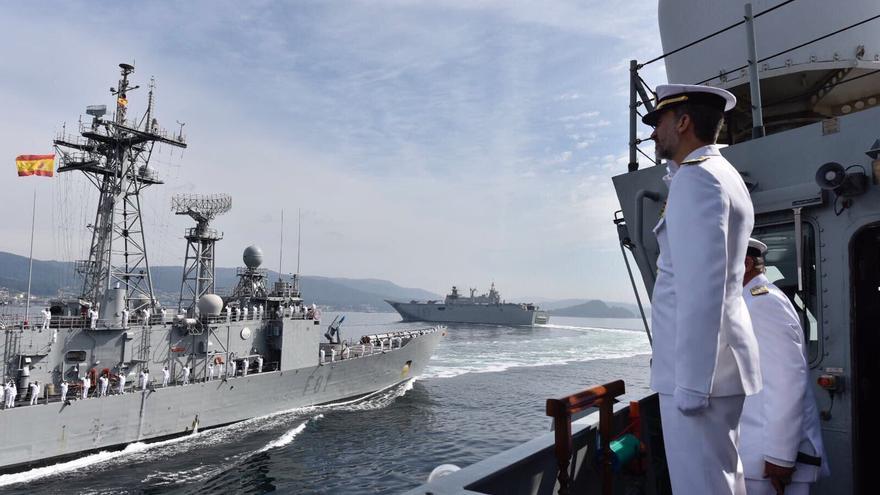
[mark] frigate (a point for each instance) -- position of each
(485, 309)
(806, 138)
(115, 366)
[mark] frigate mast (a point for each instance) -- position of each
(114, 155)
(198, 269)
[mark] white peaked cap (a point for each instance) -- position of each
(756, 244)
(669, 95)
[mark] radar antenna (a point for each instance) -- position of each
(114, 152)
(198, 268)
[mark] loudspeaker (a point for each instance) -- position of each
(830, 176)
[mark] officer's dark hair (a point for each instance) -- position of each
(707, 120)
(759, 264)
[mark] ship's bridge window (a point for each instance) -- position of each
(75, 356)
(781, 264)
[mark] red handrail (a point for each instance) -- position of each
(561, 411)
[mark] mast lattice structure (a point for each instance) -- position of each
(114, 154)
(198, 268)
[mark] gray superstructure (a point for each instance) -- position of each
(486, 309)
(117, 329)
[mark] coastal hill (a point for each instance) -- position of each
(594, 309)
(343, 294)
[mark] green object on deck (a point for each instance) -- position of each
(624, 449)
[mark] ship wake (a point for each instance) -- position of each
(133, 453)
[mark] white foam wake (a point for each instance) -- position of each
(374, 400)
(86, 461)
(436, 371)
(288, 436)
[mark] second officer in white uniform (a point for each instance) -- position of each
(705, 357)
(780, 437)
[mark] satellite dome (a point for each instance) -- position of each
(253, 257)
(210, 305)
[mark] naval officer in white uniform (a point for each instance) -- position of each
(705, 356)
(780, 436)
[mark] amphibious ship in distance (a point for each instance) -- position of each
(485, 309)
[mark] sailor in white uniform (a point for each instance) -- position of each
(35, 392)
(122, 380)
(103, 384)
(86, 385)
(705, 356)
(245, 363)
(64, 387)
(186, 374)
(210, 370)
(47, 317)
(7, 395)
(144, 379)
(231, 367)
(166, 376)
(780, 436)
(93, 319)
(125, 318)
(259, 364)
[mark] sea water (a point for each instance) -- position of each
(483, 392)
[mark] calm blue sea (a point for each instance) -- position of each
(483, 392)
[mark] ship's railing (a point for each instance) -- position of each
(371, 345)
(60, 322)
(36, 322)
(264, 316)
(561, 410)
(641, 94)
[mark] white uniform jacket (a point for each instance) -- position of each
(782, 419)
(703, 339)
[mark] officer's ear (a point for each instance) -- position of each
(683, 122)
(750, 263)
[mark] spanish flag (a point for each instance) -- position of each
(43, 165)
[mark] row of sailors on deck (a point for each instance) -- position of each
(245, 313)
(218, 370)
(146, 316)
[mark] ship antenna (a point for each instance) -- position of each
(281, 253)
(298, 239)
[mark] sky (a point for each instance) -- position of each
(428, 143)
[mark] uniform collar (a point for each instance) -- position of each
(708, 150)
(761, 279)
(672, 166)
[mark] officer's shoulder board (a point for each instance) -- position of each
(759, 290)
(693, 161)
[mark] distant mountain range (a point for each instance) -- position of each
(341, 294)
(594, 309)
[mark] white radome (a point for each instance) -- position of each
(210, 304)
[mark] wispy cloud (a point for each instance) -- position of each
(430, 142)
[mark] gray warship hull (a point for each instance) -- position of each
(485, 314)
(53, 431)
